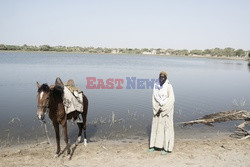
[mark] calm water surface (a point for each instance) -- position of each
(202, 86)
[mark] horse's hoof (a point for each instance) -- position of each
(68, 152)
(79, 139)
(56, 155)
(85, 142)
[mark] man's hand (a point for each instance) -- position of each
(158, 113)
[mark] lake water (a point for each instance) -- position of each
(201, 86)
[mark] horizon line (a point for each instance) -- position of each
(119, 47)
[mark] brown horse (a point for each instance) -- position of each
(51, 99)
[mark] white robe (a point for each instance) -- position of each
(162, 131)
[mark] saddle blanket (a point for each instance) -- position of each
(73, 101)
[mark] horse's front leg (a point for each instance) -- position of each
(56, 127)
(64, 125)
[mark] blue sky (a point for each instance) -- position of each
(177, 24)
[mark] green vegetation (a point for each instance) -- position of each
(216, 52)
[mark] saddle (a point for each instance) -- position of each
(70, 85)
(59, 82)
(72, 98)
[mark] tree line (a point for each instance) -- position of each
(215, 52)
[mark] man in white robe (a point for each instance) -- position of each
(162, 131)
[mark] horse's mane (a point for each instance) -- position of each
(43, 88)
(57, 92)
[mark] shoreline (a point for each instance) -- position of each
(190, 56)
(218, 151)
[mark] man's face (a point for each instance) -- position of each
(162, 79)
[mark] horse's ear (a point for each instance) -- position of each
(38, 85)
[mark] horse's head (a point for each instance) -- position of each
(42, 100)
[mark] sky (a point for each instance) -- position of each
(175, 24)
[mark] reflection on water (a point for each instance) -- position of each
(201, 86)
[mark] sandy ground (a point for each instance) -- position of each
(219, 151)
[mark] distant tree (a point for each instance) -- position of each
(122, 50)
(228, 52)
(174, 52)
(207, 52)
(25, 47)
(216, 52)
(170, 51)
(183, 52)
(13, 47)
(137, 51)
(3, 47)
(145, 50)
(196, 52)
(45, 48)
(60, 48)
(99, 50)
(107, 50)
(240, 52)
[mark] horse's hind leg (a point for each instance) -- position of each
(80, 127)
(84, 128)
(84, 117)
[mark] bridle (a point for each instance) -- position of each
(46, 106)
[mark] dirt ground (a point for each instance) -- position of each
(220, 151)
